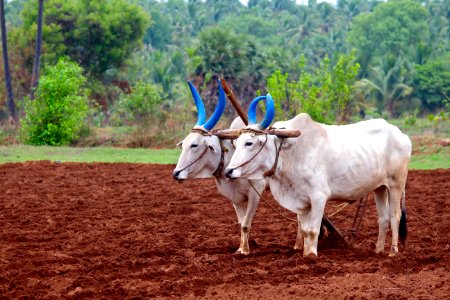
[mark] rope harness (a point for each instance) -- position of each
(196, 160)
(262, 132)
(218, 172)
(268, 204)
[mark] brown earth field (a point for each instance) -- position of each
(128, 231)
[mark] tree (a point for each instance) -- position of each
(60, 109)
(99, 35)
(324, 93)
(10, 96)
(392, 28)
(388, 84)
(433, 82)
(37, 57)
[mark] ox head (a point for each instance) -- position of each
(257, 148)
(252, 144)
(201, 150)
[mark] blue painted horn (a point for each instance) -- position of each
(219, 109)
(201, 114)
(270, 111)
(208, 125)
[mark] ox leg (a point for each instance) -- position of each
(311, 223)
(381, 200)
(299, 239)
(240, 209)
(317, 210)
(245, 215)
(395, 195)
(247, 223)
(303, 224)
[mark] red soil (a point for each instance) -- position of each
(129, 231)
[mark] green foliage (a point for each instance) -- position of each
(60, 108)
(142, 105)
(343, 76)
(98, 34)
(392, 28)
(222, 51)
(204, 40)
(433, 81)
(410, 119)
(388, 85)
(324, 94)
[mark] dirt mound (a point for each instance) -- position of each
(129, 231)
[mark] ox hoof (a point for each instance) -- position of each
(298, 247)
(379, 248)
(244, 252)
(394, 251)
(311, 257)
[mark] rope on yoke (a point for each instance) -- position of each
(341, 207)
(268, 204)
(218, 172)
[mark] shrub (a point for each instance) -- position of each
(324, 94)
(60, 108)
(141, 106)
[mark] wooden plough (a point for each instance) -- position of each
(349, 236)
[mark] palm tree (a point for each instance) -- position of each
(387, 84)
(37, 57)
(10, 97)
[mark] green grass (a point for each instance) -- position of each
(430, 161)
(98, 154)
(423, 126)
(155, 156)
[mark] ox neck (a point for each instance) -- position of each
(272, 171)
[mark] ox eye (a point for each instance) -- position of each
(248, 144)
(194, 146)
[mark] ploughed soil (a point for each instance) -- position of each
(122, 231)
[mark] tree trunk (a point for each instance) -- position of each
(390, 106)
(10, 97)
(37, 57)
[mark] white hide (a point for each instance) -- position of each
(330, 162)
(243, 197)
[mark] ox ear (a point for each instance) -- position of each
(211, 147)
(180, 144)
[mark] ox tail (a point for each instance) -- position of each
(403, 228)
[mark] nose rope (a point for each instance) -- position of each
(273, 169)
(201, 155)
(260, 149)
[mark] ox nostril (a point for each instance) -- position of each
(175, 174)
(228, 172)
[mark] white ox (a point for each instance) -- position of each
(325, 163)
(201, 157)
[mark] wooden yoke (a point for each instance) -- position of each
(284, 133)
(232, 134)
(237, 106)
